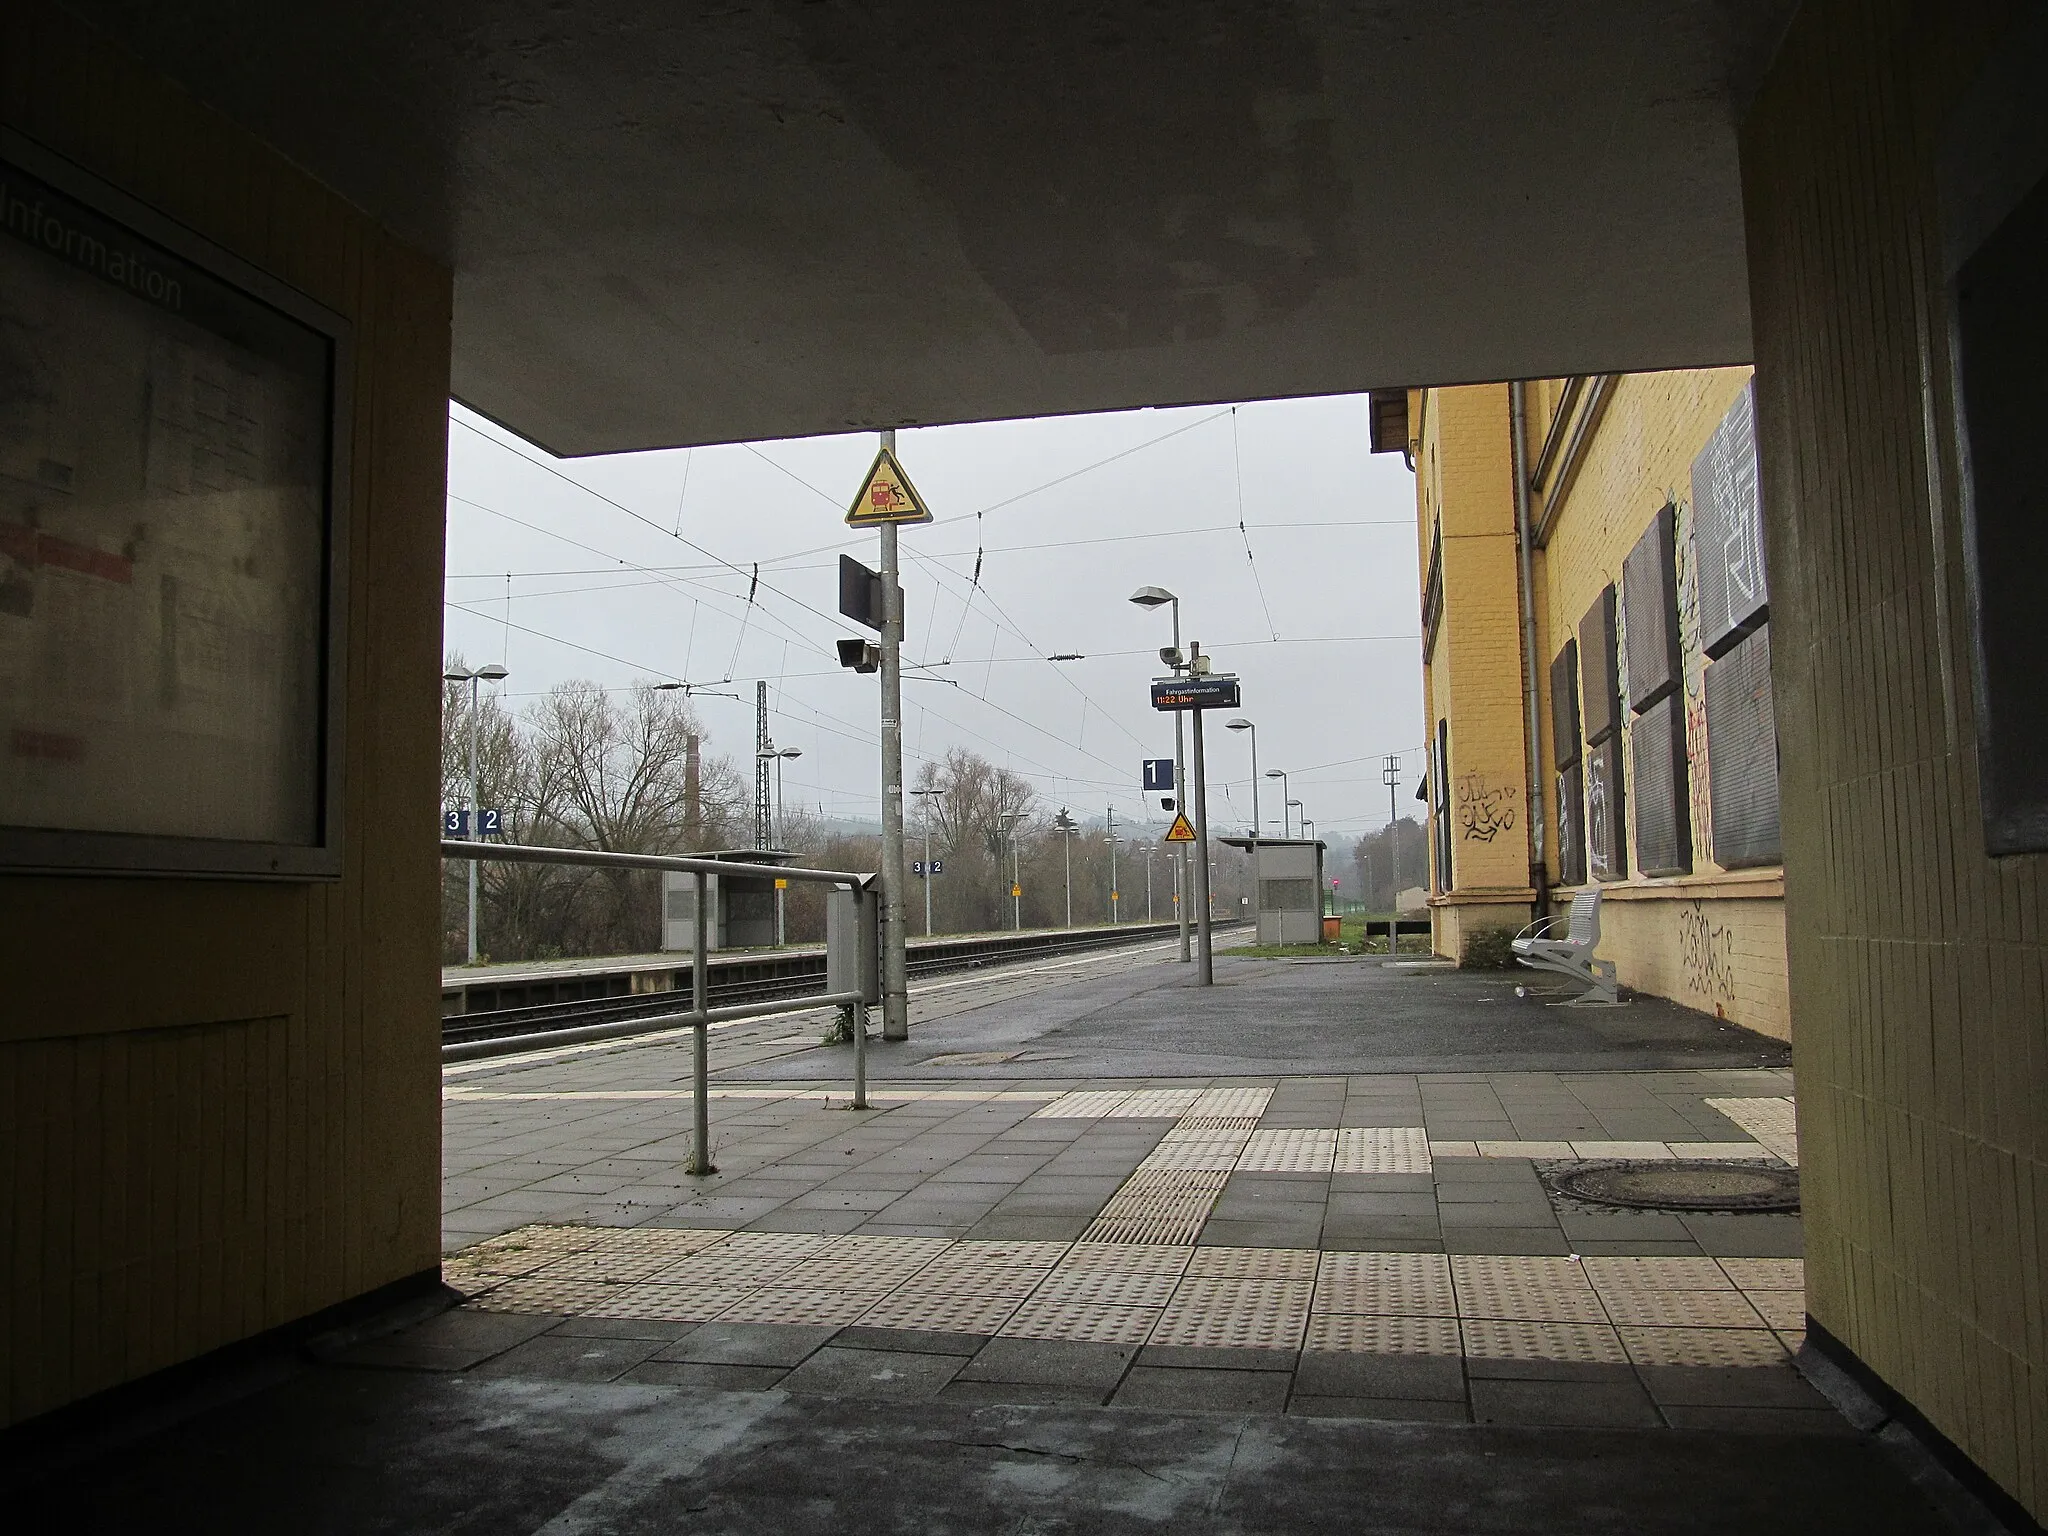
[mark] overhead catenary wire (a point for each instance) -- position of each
(1237, 461)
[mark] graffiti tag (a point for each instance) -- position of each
(1707, 951)
(1484, 810)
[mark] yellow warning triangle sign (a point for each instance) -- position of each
(1182, 831)
(887, 496)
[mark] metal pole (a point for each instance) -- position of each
(927, 869)
(1205, 973)
(1256, 828)
(700, 1036)
(1180, 800)
(895, 966)
(781, 927)
(860, 1029)
(1392, 774)
(1067, 838)
(1016, 885)
(1148, 883)
(475, 829)
(1115, 904)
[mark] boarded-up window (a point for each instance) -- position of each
(1606, 818)
(2001, 322)
(1598, 693)
(1649, 595)
(1564, 706)
(1727, 530)
(1440, 802)
(1571, 825)
(1663, 822)
(1742, 755)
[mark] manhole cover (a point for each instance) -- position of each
(1682, 1186)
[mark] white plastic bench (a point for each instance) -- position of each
(1538, 946)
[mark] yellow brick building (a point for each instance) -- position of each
(1595, 648)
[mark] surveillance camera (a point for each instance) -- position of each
(1170, 654)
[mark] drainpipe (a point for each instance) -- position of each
(1531, 699)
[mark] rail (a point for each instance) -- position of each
(700, 1015)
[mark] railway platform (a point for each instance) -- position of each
(1108, 1251)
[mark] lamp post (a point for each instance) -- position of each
(1109, 820)
(1148, 882)
(494, 673)
(764, 754)
(1068, 832)
(1154, 597)
(1016, 881)
(1281, 775)
(925, 797)
(1299, 821)
(1242, 724)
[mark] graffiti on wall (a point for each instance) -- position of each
(1692, 665)
(1485, 810)
(1707, 951)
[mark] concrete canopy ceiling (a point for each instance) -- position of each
(688, 223)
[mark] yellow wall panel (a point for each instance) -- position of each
(1916, 961)
(219, 1100)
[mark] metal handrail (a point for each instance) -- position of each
(700, 1015)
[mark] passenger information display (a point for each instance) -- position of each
(1214, 692)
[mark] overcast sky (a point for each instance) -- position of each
(639, 566)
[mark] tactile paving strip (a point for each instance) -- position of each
(1110, 1287)
(1766, 1274)
(1386, 1283)
(1510, 1339)
(1531, 1289)
(1383, 1149)
(1164, 1206)
(577, 1298)
(1235, 1312)
(931, 1312)
(604, 1265)
(1297, 1150)
(1090, 1104)
(668, 1303)
(1218, 1150)
(1138, 1258)
(1784, 1310)
(1655, 1274)
(784, 1304)
(1773, 1122)
(1346, 1333)
(1082, 1323)
(1250, 1102)
(1156, 1104)
(1680, 1309)
(1703, 1346)
(1272, 1263)
(1194, 1127)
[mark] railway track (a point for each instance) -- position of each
(789, 976)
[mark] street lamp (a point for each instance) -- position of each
(1011, 818)
(1155, 597)
(1300, 821)
(925, 797)
(781, 832)
(1242, 724)
(1068, 832)
(1281, 775)
(1115, 902)
(493, 673)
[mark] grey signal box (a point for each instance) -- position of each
(853, 943)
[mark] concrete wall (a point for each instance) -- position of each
(219, 1101)
(1917, 962)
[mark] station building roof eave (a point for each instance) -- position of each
(686, 225)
